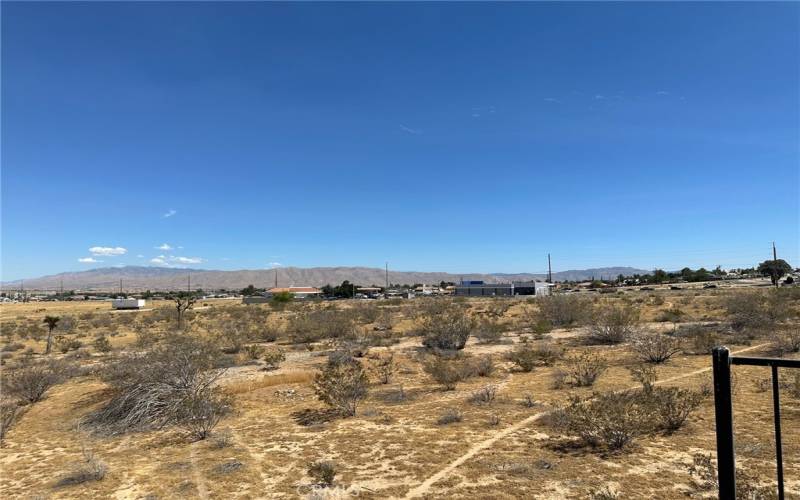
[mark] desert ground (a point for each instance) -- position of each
(501, 431)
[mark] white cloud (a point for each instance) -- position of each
(410, 130)
(274, 264)
(158, 261)
(169, 213)
(599, 97)
(108, 251)
(164, 246)
(88, 260)
(186, 260)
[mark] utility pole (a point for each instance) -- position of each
(549, 270)
(276, 277)
(387, 274)
(120, 286)
(61, 292)
(189, 283)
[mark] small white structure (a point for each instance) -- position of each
(127, 303)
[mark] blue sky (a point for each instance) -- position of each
(439, 137)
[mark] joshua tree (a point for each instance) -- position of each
(51, 322)
(183, 302)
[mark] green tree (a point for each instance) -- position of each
(775, 269)
(282, 297)
(51, 322)
(250, 290)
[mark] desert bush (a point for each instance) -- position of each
(701, 338)
(646, 375)
(101, 344)
(179, 371)
(564, 310)
(450, 416)
(673, 315)
(655, 347)
(604, 493)
(305, 327)
(483, 366)
(383, 366)
(273, 359)
(342, 385)
(747, 487)
(756, 311)
(10, 412)
(612, 419)
(221, 439)
(30, 380)
(322, 472)
(484, 395)
(65, 345)
(613, 324)
(201, 411)
(524, 356)
(488, 331)
(447, 371)
(786, 341)
(88, 469)
(673, 405)
(448, 330)
(254, 351)
(582, 370)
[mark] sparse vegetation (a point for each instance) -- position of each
(613, 324)
(342, 385)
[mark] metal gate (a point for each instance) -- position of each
(723, 407)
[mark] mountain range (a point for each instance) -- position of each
(138, 278)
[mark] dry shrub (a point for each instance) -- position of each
(201, 412)
(88, 469)
(646, 375)
(342, 385)
(179, 372)
(604, 493)
(448, 371)
(383, 366)
(564, 310)
(612, 419)
(702, 339)
(273, 359)
(484, 395)
(704, 472)
(483, 366)
(757, 311)
(30, 380)
(101, 344)
(787, 341)
(322, 472)
(528, 356)
(583, 369)
(313, 326)
(449, 329)
(655, 347)
(613, 324)
(488, 331)
(450, 416)
(673, 406)
(10, 412)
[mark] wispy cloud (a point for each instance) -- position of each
(662, 92)
(478, 111)
(88, 260)
(169, 213)
(108, 251)
(274, 264)
(599, 97)
(140, 256)
(164, 246)
(551, 99)
(173, 260)
(410, 130)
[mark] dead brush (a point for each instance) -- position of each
(88, 469)
(583, 369)
(484, 395)
(655, 347)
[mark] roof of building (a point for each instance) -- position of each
(296, 289)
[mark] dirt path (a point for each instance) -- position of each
(199, 480)
(425, 486)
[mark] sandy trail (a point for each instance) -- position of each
(425, 486)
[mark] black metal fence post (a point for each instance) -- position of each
(723, 408)
(776, 411)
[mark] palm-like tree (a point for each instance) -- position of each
(51, 322)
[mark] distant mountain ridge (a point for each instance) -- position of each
(138, 278)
